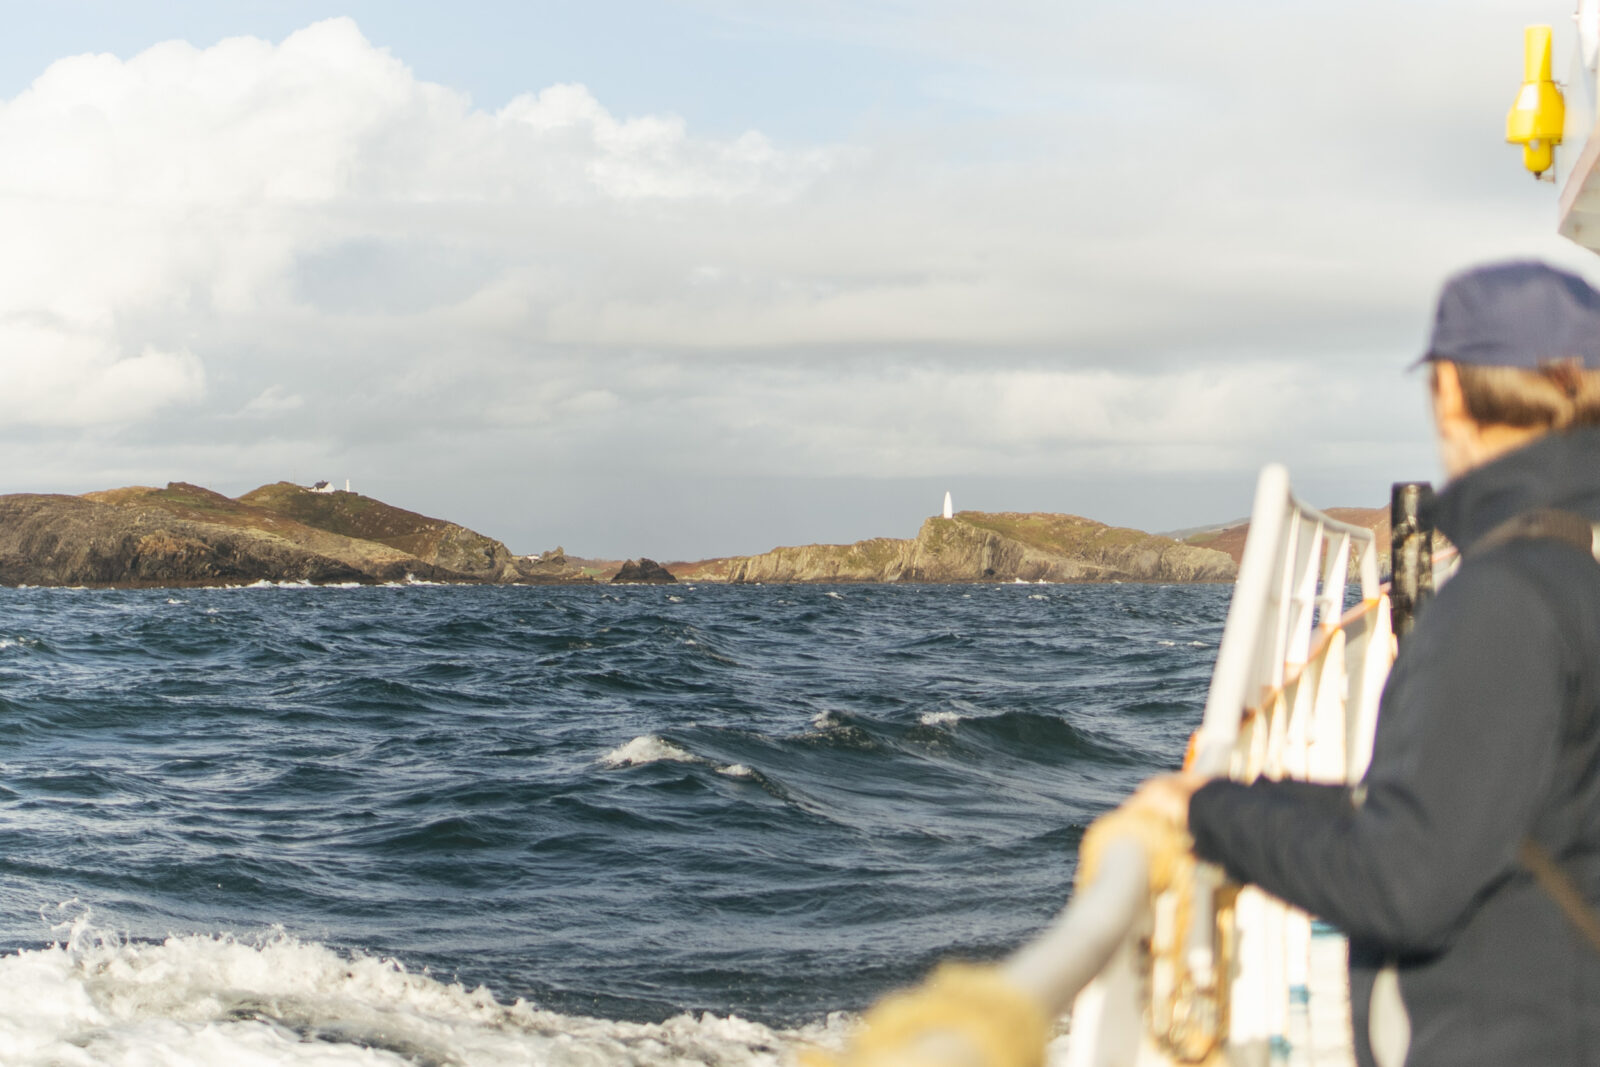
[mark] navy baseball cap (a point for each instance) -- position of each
(1516, 314)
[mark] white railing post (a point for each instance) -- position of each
(1294, 692)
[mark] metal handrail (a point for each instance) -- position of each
(1285, 623)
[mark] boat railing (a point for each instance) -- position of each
(1165, 968)
(1294, 694)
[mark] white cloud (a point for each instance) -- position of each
(1195, 258)
(55, 375)
(272, 401)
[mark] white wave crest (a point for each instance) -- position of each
(646, 749)
(939, 718)
(736, 770)
(299, 583)
(207, 1000)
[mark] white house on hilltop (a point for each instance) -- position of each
(327, 487)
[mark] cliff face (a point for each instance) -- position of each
(63, 540)
(188, 535)
(434, 541)
(974, 546)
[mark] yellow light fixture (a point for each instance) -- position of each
(1536, 119)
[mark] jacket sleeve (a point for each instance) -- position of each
(1467, 742)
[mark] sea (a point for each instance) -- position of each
(449, 825)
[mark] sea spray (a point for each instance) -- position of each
(206, 1000)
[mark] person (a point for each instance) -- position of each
(1488, 739)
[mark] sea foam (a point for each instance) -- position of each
(652, 749)
(646, 749)
(207, 1000)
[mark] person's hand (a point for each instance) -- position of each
(1166, 796)
(1156, 816)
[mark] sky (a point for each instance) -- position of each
(701, 277)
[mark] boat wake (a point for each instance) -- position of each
(98, 999)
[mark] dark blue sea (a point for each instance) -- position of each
(440, 825)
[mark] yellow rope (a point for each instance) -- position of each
(1166, 847)
(962, 1016)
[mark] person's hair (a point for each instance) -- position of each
(1557, 395)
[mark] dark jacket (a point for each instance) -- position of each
(1489, 733)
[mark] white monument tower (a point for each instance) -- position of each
(949, 511)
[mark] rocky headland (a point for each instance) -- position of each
(984, 547)
(188, 535)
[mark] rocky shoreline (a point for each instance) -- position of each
(977, 546)
(186, 535)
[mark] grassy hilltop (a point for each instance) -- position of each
(979, 546)
(188, 535)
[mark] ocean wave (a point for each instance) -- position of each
(301, 583)
(98, 999)
(1042, 737)
(32, 644)
(553, 792)
(649, 748)
(646, 749)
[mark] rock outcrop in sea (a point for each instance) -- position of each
(978, 546)
(188, 535)
(646, 571)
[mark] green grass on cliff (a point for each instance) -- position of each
(191, 502)
(1062, 535)
(878, 553)
(348, 514)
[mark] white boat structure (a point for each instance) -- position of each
(1577, 162)
(1556, 123)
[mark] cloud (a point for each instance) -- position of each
(273, 401)
(55, 375)
(258, 260)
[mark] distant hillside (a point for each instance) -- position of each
(1231, 538)
(435, 541)
(976, 547)
(188, 535)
